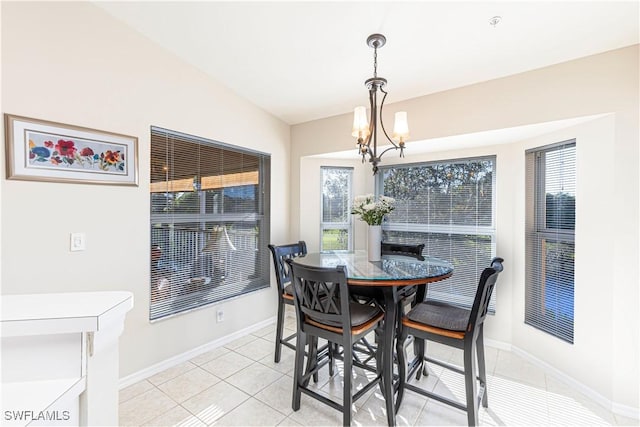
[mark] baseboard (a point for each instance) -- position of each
(188, 355)
(625, 411)
(500, 345)
(616, 408)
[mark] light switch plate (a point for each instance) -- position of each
(78, 242)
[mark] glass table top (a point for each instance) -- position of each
(391, 267)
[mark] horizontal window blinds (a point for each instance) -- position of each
(550, 233)
(448, 206)
(335, 226)
(209, 222)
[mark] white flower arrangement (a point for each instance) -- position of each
(371, 211)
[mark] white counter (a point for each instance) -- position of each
(60, 357)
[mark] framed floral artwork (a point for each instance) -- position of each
(39, 150)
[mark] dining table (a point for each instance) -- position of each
(393, 275)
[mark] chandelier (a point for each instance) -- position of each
(365, 129)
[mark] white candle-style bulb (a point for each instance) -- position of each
(401, 126)
(360, 123)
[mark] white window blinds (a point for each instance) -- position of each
(550, 233)
(448, 206)
(209, 222)
(335, 226)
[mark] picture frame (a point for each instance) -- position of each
(40, 150)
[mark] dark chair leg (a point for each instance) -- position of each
(315, 352)
(330, 353)
(471, 388)
(402, 368)
(279, 332)
(347, 396)
(312, 359)
(297, 370)
(423, 354)
(379, 334)
(481, 367)
(419, 349)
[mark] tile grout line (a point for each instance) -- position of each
(510, 363)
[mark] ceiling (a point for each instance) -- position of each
(302, 61)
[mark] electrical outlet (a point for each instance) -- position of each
(220, 316)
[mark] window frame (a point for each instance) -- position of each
(451, 229)
(348, 225)
(537, 231)
(184, 301)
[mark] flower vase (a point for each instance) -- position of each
(374, 242)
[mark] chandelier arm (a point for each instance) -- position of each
(372, 119)
(395, 146)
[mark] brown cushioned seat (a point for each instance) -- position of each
(440, 315)
(360, 314)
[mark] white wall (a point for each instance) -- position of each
(594, 314)
(72, 63)
(606, 356)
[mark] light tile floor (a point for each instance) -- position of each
(240, 385)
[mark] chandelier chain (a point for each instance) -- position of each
(375, 61)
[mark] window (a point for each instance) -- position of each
(550, 235)
(335, 226)
(448, 206)
(209, 222)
